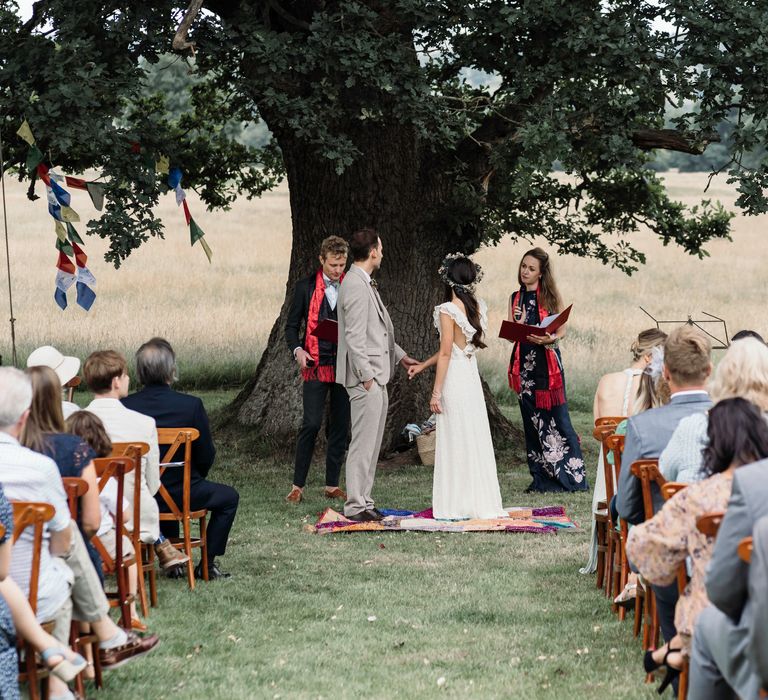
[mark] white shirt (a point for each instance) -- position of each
(331, 292)
(68, 408)
(30, 476)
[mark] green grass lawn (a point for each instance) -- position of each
(473, 615)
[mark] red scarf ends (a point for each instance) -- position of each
(545, 398)
(325, 373)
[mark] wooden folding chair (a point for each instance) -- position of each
(709, 523)
(116, 468)
(647, 471)
(145, 553)
(176, 438)
(70, 387)
(669, 489)
(745, 550)
(601, 515)
(29, 514)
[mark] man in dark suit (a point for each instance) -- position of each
(721, 666)
(314, 301)
(156, 371)
(687, 365)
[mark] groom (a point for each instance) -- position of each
(365, 362)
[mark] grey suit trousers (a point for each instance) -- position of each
(368, 415)
(720, 669)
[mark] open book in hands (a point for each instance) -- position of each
(518, 332)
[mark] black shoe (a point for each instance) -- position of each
(364, 516)
(214, 572)
(376, 513)
(177, 572)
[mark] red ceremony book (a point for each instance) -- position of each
(518, 332)
(327, 330)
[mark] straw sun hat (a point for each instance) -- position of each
(65, 367)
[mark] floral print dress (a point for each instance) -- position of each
(552, 446)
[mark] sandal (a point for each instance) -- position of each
(627, 596)
(65, 670)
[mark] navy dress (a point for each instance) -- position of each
(72, 454)
(9, 661)
(551, 444)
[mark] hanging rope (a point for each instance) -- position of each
(7, 254)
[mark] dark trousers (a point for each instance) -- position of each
(221, 502)
(666, 600)
(314, 393)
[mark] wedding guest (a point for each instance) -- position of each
(156, 371)
(743, 371)
(758, 594)
(89, 427)
(737, 434)
(106, 374)
(746, 333)
(314, 301)
(687, 366)
(68, 586)
(615, 396)
(536, 375)
(65, 366)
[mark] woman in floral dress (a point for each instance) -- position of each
(536, 375)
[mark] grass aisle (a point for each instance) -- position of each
(475, 615)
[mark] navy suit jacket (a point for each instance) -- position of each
(647, 435)
(172, 409)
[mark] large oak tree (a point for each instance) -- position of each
(376, 122)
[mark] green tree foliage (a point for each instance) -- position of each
(582, 83)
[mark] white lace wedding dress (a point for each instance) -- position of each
(465, 482)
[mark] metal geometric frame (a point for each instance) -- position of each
(712, 320)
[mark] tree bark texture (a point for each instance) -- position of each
(389, 189)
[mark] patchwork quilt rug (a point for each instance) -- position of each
(537, 520)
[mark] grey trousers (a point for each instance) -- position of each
(89, 604)
(720, 669)
(368, 416)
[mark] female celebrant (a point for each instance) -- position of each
(536, 375)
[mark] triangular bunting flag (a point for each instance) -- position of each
(42, 173)
(195, 232)
(34, 157)
(174, 178)
(64, 280)
(187, 215)
(73, 234)
(96, 192)
(80, 257)
(64, 246)
(62, 196)
(85, 276)
(85, 296)
(55, 176)
(25, 132)
(208, 251)
(61, 233)
(75, 182)
(65, 264)
(162, 166)
(61, 298)
(68, 214)
(180, 195)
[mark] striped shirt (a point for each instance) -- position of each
(29, 476)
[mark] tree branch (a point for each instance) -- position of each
(673, 140)
(180, 42)
(37, 11)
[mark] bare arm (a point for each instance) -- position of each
(60, 542)
(443, 359)
(89, 502)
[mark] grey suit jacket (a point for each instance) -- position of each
(758, 594)
(367, 348)
(647, 435)
(727, 585)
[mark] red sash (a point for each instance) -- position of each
(325, 373)
(554, 393)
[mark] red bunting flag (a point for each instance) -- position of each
(42, 172)
(187, 215)
(65, 264)
(75, 182)
(80, 257)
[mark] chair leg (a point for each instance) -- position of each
(639, 604)
(600, 529)
(608, 565)
(152, 576)
(140, 583)
(204, 546)
(188, 549)
(32, 680)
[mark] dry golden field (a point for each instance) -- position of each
(218, 316)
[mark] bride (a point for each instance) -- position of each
(465, 483)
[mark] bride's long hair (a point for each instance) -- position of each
(461, 275)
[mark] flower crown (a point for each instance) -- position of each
(443, 272)
(656, 365)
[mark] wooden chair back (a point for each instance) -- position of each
(615, 443)
(2, 531)
(647, 471)
(176, 439)
(35, 515)
(670, 488)
(604, 421)
(709, 523)
(745, 550)
(119, 449)
(74, 487)
(71, 385)
(604, 428)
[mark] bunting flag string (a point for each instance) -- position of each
(68, 241)
(195, 232)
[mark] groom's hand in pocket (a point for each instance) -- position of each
(368, 384)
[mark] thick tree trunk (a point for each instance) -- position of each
(383, 189)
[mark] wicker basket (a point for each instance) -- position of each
(426, 446)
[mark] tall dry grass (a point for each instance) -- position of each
(219, 316)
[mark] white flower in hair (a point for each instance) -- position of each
(656, 365)
(446, 264)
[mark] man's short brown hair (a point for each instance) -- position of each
(334, 245)
(101, 368)
(362, 243)
(687, 356)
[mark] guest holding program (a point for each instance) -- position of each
(314, 301)
(536, 375)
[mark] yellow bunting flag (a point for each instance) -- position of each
(61, 232)
(26, 133)
(207, 249)
(69, 215)
(163, 165)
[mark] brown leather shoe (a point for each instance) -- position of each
(169, 556)
(295, 495)
(134, 647)
(335, 492)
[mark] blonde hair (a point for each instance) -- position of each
(687, 356)
(334, 245)
(45, 414)
(646, 341)
(743, 372)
